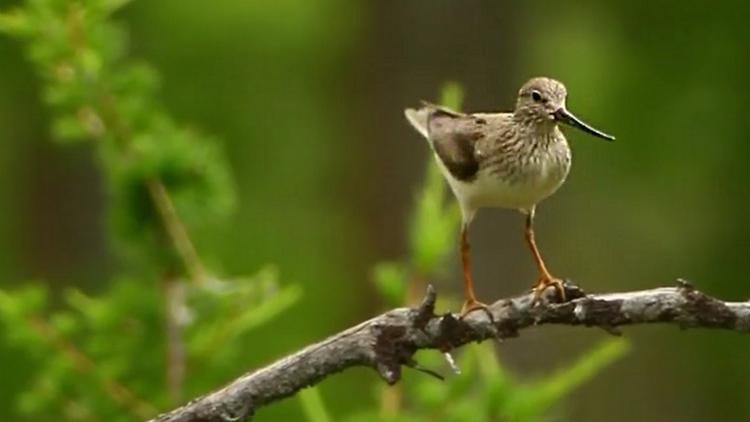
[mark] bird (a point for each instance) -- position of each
(508, 160)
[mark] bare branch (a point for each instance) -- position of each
(388, 342)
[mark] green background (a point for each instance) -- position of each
(307, 98)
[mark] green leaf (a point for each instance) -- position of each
(110, 6)
(532, 400)
(19, 303)
(452, 95)
(431, 394)
(267, 310)
(313, 406)
(434, 224)
(498, 385)
(68, 127)
(376, 416)
(390, 279)
(229, 309)
(466, 408)
(16, 22)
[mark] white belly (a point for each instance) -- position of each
(491, 191)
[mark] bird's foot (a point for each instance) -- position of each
(546, 280)
(471, 305)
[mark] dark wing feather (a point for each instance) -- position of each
(454, 137)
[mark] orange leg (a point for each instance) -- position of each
(470, 301)
(545, 278)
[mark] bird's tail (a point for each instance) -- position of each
(418, 119)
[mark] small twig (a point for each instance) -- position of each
(174, 295)
(424, 370)
(389, 341)
(176, 231)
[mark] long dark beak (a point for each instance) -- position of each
(564, 116)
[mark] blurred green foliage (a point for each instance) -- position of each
(103, 356)
(312, 405)
(99, 96)
(313, 169)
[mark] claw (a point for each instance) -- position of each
(471, 305)
(544, 282)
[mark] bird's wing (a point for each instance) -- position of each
(497, 131)
(456, 137)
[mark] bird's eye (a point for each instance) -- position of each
(536, 96)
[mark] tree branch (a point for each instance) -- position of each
(389, 341)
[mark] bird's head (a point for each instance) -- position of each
(541, 102)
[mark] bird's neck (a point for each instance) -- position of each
(540, 129)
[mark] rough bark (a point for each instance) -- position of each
(388, 342)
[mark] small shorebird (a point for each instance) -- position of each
(503, 160)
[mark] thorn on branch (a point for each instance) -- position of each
(704, 310)
(389, 372)
(426, 309)
(573, 291)
(685, 285)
